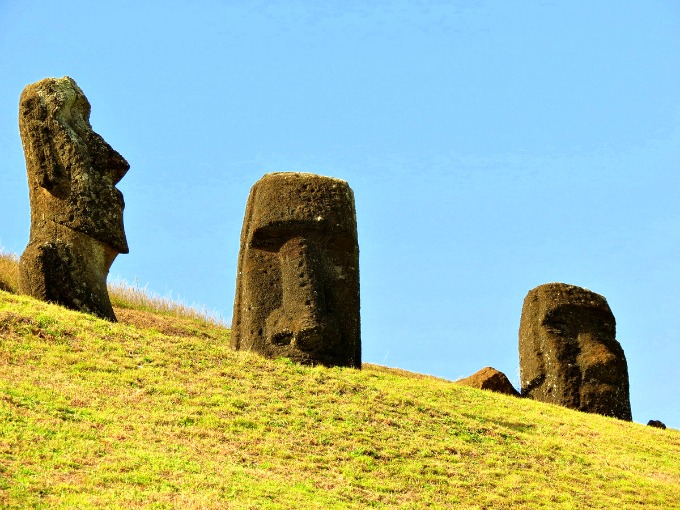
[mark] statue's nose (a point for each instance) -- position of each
(107, 158)
(299, 320)
(302, 278)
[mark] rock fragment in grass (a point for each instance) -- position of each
(489, 378)
(656, 423)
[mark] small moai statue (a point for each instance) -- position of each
(297, 285)
(76, 210)
(568, 353)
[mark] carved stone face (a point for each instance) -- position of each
(72, 171)
(569, 354)
(76, 210)
(297, 290)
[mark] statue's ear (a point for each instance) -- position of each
(39, 135)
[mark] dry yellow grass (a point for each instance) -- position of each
(123, 295)
(126, 296)
(9, 272)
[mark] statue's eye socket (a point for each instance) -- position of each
(555, 328)
(342, 242)
(269, 239)
(272, 237)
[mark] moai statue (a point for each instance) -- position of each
(297, 287)
(76, 210)
(568, 353)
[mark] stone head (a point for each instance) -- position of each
(568, 351)
(72, 171)
(297, 289)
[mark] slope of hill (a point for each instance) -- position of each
(158, 412)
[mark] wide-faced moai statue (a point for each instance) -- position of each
(568, 353)
(297, 287)
(76, 210)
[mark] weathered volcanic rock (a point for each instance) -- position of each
(490, 379)
(76, 210)
(297, 286)
(568, 351)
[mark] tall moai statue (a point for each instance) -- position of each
(297, 287)
(76, 210)
(568, 353)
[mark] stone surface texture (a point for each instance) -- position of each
(489, 378)
(568, 351)
(297, 285)
(76, 210)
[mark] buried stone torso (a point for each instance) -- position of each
(298, 281)
(569, 354)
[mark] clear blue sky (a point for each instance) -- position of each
(492, 146)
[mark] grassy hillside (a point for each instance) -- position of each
(157, 412)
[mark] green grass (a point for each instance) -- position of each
(157, 411)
